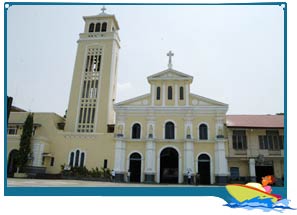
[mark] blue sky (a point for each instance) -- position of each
(235, 53)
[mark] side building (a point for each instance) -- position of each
(256, 147)
(45, 142)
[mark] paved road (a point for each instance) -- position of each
(17, 182)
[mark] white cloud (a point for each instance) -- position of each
(124, 91)
(124, 86)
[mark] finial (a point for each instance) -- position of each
(170, 54)
(103, 9)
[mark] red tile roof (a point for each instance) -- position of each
(255, 121)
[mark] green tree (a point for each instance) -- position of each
(25, 142)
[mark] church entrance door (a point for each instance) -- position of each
(135, 167)
(204, 168)
(11, 166)
(169, 166)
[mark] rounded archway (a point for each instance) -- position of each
(12, 163)
(169, 166)
(135, 167)
(204, 168)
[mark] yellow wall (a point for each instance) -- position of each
(242, 165)
(97, 146)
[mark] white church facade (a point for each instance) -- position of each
(160, 137)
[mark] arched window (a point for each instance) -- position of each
(136, 129)
(71, 159)
(158, 93)
(181, 93)
(97, 28)
(169, 93)
(203, 132)
(77, 157)
(82, 159)
(169, 130)
(91, 27)
(104, 27)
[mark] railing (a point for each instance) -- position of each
(274, 152)
(240, 152)
(114, 35)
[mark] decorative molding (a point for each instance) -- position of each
(172, 109)
(194, 102)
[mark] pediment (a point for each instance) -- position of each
(170, 74)
(196, 100)
(143, 100)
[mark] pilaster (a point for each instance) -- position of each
(163, 94)
(189, 157)
(187, 94)
(221, 165)
(119, 164)
(176, 95)
(150, 164)
(153, 94)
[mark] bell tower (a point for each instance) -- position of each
(94, 80)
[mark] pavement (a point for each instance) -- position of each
(26, 182)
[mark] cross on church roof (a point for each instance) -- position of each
(170, 54)
(103, 9)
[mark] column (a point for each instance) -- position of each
(150, 156)
(163, 94)
(221, 165)
(119, 163)
(252, 167)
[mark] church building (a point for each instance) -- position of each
(160, 137)
(163, 135)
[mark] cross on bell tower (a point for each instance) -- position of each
(103, 9)
(170, 54)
